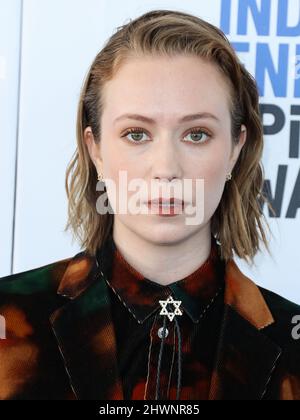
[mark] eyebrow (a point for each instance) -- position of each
(186, 118)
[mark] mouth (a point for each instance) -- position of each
(166, 207)
(162, 202)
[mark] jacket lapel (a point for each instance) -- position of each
(246, 357)
(84, 330)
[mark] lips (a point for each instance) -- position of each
(167, 202)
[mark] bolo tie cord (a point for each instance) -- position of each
(179, 371)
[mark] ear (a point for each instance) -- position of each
(93, 148)
(238, 147)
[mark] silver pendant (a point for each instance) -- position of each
(175, 303)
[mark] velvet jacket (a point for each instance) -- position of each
(60, 342)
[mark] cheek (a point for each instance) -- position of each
(214, 182)
(118, 169)
(116, 158)
(113, 161)
(212, 169)
(214, 174)
(122, 167)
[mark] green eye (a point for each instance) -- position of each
(136, 134)
(197, 136)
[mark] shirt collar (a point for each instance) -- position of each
(141, 296)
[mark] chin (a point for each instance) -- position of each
(166, 234)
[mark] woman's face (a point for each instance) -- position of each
(166, 151)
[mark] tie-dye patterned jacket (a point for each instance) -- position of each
(58, 338)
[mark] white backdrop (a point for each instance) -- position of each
(46, 48)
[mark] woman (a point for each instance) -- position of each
(155, 307)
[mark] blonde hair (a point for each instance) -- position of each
(238, 221)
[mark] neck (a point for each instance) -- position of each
(163, 263)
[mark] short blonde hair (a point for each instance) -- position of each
(238, 221)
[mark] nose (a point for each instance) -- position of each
(166, 161)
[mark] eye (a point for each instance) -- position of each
(136, 133)
(196, 135)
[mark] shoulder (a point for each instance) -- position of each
(286, 328)
(36, 291)
(31, 287)
(31, 294)
(28, 349)
(36, 280)
(28, 298)
(281, 307)
(285, 332)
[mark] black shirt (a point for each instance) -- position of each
(136, 308)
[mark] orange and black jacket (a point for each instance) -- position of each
(60, 338)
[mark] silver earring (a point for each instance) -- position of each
(228, 177)
(100, 177)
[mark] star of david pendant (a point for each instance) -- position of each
(175, 303)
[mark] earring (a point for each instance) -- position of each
(228, 177)
(100, 177)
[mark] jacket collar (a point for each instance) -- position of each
(241, 293)
(85, 334)
(141, 296)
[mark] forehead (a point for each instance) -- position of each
(167, 86)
